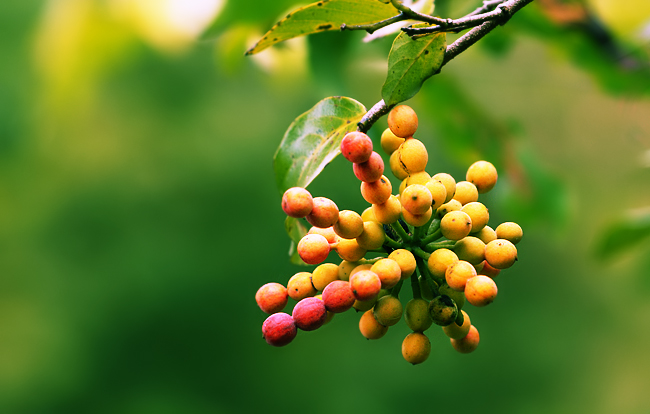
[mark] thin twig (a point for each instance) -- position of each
(508, 8)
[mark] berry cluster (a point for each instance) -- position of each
(433, 231)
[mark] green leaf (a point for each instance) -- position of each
(313, 140)
(296, 231)
(411, 61)
(325, 15)
(624, 234)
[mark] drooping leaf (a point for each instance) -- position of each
(296, 230)
(420, 6)
(625, 234)
(325, 15)
(313, 140)
(411, 61)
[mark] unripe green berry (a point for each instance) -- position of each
(456, 296)
(388, 310)
(443, 310)
(416, 315)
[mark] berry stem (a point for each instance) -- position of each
(392, 243)
(395, 291)
(431, 237)
(445, 244)
(421, 253)
(415, 286)
(428, 277)
(401, 232)
(417, 232)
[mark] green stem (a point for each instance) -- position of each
(370, 28)
(397, 288)
(445, 244)
(401, 232)
(371, 261)
(428, 277)
(392, 243)
(415, 286)
(421, 253)
(434, 225)
(431, 237)
(417, 232)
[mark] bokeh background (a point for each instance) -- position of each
(139, 212)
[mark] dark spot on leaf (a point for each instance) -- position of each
(348, 121)
(275, 39)
(324, 26)
(288, 15)
(320, 3)
(426, 52)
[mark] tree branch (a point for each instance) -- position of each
(502, 14)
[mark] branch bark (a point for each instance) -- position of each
(499, 16)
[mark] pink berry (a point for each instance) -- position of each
(356, 147)
(309, 314)
(279, 329)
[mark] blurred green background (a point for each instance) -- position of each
(139, 213)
